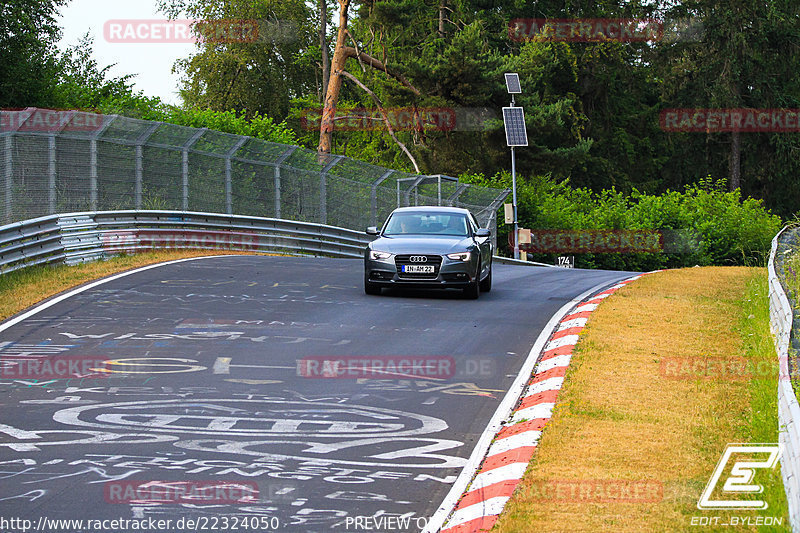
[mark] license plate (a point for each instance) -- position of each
(418, 269)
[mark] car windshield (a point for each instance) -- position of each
(427, 224)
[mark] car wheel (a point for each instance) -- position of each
(474, 289)
(370, 288)
(486, 284)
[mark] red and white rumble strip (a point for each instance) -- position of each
(514, 445)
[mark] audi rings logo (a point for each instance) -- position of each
(418, 259)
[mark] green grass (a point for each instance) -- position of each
(762, 424)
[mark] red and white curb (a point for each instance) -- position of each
(514, 444)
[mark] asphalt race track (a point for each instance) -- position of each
(209, 394)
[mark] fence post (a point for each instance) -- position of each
(185, 182)
(278, 163)
(9, 177)
(493, 207)
(20, 117)
(138, 190)
(323, 189)
(229, 176)
(374, 196)
(138, 186)
(51, 174)
(107, 120)
(453, 198)
(185, 170)
(414, 186)
(93, 174)
(493, 226)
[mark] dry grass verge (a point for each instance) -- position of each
(622, 418)
(23, 288)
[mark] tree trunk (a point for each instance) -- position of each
(335, 82)
(323, 44)
(735, 161)
(442, 6)
(340, 55)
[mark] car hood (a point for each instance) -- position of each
(423, 244)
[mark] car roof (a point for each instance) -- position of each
(431, 209)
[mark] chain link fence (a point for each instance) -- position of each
(68, 161)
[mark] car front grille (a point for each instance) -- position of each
(435, 260)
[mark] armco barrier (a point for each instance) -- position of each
(780, 313)
(78, 237)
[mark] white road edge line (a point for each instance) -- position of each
(502, 413)
(58, 299)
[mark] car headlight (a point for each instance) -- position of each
(379, 256)
(461, 256)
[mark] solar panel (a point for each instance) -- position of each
(514, 120)
(512, 83)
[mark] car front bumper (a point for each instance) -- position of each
(450, 274)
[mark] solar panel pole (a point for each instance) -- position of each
(514, 195)
(514, 201)
(513, 87)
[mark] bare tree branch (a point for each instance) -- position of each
(375, 63)
(385, 117)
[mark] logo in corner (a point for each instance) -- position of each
(739, 480)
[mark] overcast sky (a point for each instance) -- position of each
(151, 62)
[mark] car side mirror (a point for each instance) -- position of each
(372, 230)
(483, 232)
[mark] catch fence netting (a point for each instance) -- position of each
(68, 161)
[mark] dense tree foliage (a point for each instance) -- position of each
(28, 66)
(258, 71)
(748, 57)
(592, 108)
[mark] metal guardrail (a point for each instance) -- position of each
(511, 261)
(780, 314)
(74, 238)
(77, 237)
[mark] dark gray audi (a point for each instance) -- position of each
(429, 247)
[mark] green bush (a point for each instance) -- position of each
(708, 225)
(258, 126)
